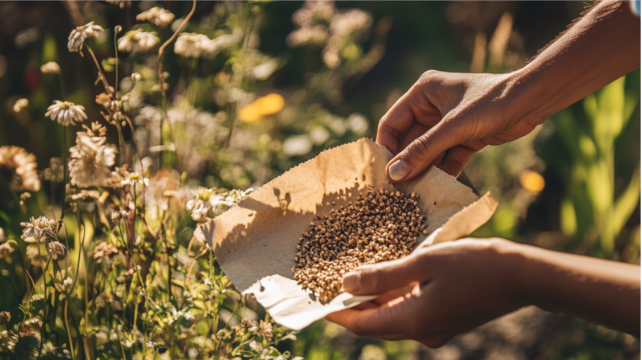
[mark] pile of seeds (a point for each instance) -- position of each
(380, 226)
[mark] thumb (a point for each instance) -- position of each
(383, 277)
(422, 152)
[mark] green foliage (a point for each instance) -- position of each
(590, 210)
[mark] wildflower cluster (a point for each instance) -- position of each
(110, 264)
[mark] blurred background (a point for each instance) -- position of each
(326, 75)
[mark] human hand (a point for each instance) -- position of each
(454, 287)
(445, 118)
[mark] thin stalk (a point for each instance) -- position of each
(71, 344)
(117, 62)
(44, 323)
(100, 69)
(64, 175)
(161, 82)
(246, 40)
(120, 343)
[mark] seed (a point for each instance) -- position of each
(378, 226)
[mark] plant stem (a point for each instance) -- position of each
(71, 345)
(117, 64)
(162, 83)
(100, 69)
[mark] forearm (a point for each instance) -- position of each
(601, 47)
(606, 292)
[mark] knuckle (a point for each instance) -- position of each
(428, 76)
(420, 148)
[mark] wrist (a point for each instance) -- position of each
(514, 262)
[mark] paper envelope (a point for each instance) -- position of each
(255, 241)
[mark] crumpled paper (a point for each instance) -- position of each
(255, 241)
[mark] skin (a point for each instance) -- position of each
(450, 288)
(443, 120)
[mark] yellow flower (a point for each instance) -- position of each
(532, 181)
(266, 105)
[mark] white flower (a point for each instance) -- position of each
(307, 35)
(137, 41)
(135, 77)
(68, 281)
(192, 45)
(90, 161)
(80, 34)
(23, 168)
(197, 45)
(50, 68)
(313, 11)
(264, 71)
(157, 16)
(66, 112)
(207, 204)
(36, 229)
(135, 178)
(20, 104)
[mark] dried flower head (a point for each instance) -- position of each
(56, 171)
(51, 67)
(157, 16)
(86, 195)
(224, 335)
(36, 230)
(80, 34)
(66, 112)
(135, 77)
(31, 327)
(20, 104)
(5, 250)
(135, 41)
(104, 250)
(91, 159)
(5, 317)
(56, 250)
(22, 166)
(120, 3)
(264, 329)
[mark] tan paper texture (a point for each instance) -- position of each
(255, 241)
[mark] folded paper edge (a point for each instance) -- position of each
(467, 219)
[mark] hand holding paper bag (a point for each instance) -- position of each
(255, 241)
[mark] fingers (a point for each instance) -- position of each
(421, 153)
(456, 160)
(386, 320)
(383, 277)
(412, 109)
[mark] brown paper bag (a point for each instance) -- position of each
(255, 241)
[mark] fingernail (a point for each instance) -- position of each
(351, 281)
(398, 170)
